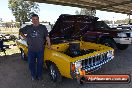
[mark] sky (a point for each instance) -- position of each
(50, 12)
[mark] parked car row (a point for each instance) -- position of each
(7, 37)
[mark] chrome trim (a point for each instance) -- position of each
(95, 61)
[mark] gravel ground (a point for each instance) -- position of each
(14, 73)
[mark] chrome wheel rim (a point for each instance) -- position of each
(23, 54)
(52, 72)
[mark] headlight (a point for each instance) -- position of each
(75, 67)
(122, 35)
(110, 54)
(78, 64)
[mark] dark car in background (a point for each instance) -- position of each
(88, 28)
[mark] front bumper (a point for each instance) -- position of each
(123, 40)
(91, 64)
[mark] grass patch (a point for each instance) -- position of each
(9, 43)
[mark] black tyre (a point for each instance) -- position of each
(23, 56)
(54, 73)
(122, 46)
(109, 42)
(81, 80)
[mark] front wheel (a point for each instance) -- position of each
(23, 56)
(122, 46)
(54, 73)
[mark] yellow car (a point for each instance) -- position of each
(72, 59)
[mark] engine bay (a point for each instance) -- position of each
(74, 50)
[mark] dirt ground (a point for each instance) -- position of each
(14, 73)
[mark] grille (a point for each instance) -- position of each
(94, 62)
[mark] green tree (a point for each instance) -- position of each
(22, 9)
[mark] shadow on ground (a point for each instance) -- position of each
(14, 73)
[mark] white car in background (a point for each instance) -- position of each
(125, 27)
(112, 25)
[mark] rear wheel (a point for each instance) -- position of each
(122, 46)
(109, 42)
(23, 56)
(54, 73)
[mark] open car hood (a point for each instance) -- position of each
(68, 26)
